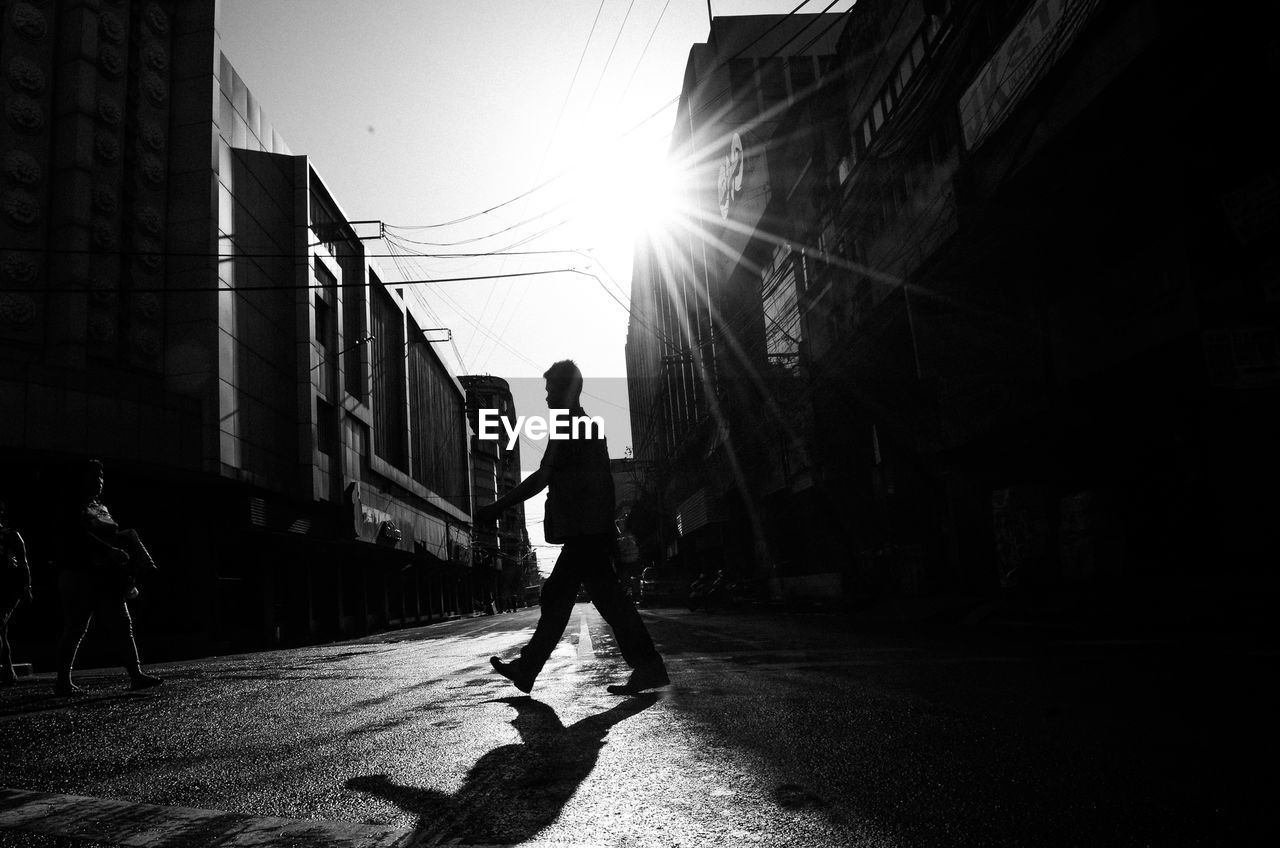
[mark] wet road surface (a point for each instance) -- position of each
(777, 730)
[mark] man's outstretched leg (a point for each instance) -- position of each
(648, 670)
(558, 593)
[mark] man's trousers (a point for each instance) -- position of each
(586, 561)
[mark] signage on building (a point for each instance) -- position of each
(1039, 38)
(729, 181)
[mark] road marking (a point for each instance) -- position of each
(585, 649)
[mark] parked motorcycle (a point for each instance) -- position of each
(709, 591)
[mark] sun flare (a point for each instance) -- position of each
(633, 192)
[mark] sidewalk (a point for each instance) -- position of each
(1127, 612)
(22, 669)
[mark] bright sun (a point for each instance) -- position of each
(631, 191)
(652, 204)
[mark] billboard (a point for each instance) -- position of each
(1039, 38)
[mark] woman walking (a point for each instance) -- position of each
(15, 587)
(96, 576)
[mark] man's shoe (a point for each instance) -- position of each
(68, 688)
(143, 680)
(515, 672)
(648, 676)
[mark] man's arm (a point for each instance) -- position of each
(21, 550)
(528, 487)
(118, 555)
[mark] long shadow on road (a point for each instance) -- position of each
(513, 791)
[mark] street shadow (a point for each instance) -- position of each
(513, 791)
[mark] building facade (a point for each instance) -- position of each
(184, 300)
(711, 362)
(1027, 296)
(504, 563)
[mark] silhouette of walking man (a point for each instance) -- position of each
(579, 515)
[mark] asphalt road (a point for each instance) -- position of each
(777, 730)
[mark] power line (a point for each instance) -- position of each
(555, 128)
(569, 92)
(476, 324)
(544, 213)
(591, 101)
(239, 254)
(282, 287)
(453, 344)
(560, 174)
(645, 51)
(623, 303)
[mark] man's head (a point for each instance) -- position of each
(91, 479)
(564, 385)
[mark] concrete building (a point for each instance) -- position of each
(635, 516)
(706, 362)
(1025, 286)
(1024, 279)
(505, 565)
(183, 299)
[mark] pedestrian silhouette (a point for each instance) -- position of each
(15, 587)
(513, 791)
(98, 567)
(579, 515)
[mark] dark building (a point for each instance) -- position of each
(709, 361)
(181, 297)
(1025, 280)
(641, 535)
(1039, 268)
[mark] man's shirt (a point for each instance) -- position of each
(580, 499)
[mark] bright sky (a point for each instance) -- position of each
(418, 112)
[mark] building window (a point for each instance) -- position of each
(326, 427)
(917, 49)
(390, 433)
(782, 283)
(324, 324)
(355, 444)
(437, 415)
(802, 75)
(326, 338)
(354, 323)
(742, 79)
(773, 84)
(925, 39)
